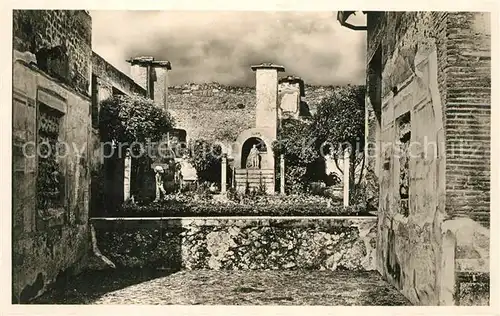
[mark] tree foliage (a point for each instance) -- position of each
(340, 117)
(206, 159)
(339, 122)
(129, 119)
(297, 143)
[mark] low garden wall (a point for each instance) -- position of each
(239, 243)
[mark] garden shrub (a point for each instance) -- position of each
(179, 209)
(242, 205)
(133, 122)
(206, 159)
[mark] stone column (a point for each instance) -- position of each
(282, 174)
(126, 175)
(234, 176)
(346, 176)
(223, 183)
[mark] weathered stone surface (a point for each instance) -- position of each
(241, 244)
(225, 287)
(421, 66)
(231, 109)
(43, 30)
(44, 246)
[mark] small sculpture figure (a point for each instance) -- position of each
(159, 183)
(178, 177)
(253, 158)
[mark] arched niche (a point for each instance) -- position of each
(247, 146)
(244, 142)
(178, 135)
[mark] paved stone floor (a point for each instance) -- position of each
(208, 287)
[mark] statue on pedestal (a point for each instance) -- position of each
(253, 158)
(159, 183)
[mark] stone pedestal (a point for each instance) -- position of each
(253, 179)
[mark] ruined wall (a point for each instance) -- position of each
(327, 243)
(61, 39)
(313, 95)
(216, 112)
(47, 243)
(109, 74)
(415, 249)
(212, 111)
(51, 105)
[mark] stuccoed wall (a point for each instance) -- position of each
(430, 244)
(239, 243)
(47, 247)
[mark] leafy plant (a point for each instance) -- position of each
(198, 204)
(130, 122)
(127, 119)
(339, 122)
(297, 144)
(206, 159)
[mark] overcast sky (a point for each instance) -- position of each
(221, 46)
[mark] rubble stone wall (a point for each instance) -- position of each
(216, 112)
(239, 243)
(38, 30)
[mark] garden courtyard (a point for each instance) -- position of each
(210, 287)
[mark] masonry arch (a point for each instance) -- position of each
(260, 137)
(247, 146)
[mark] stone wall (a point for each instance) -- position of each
(212, 111)
(239, 243)
(216, 112)
(51, 103)
(61, 40)
(411, 90)
(47, 243)
(109, 74)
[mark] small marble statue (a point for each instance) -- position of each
(159, 183)
(253, 158)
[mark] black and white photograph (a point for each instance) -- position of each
(250, 158)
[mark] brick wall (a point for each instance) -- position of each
(39, 31)
(434, 67)
(468, 112)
